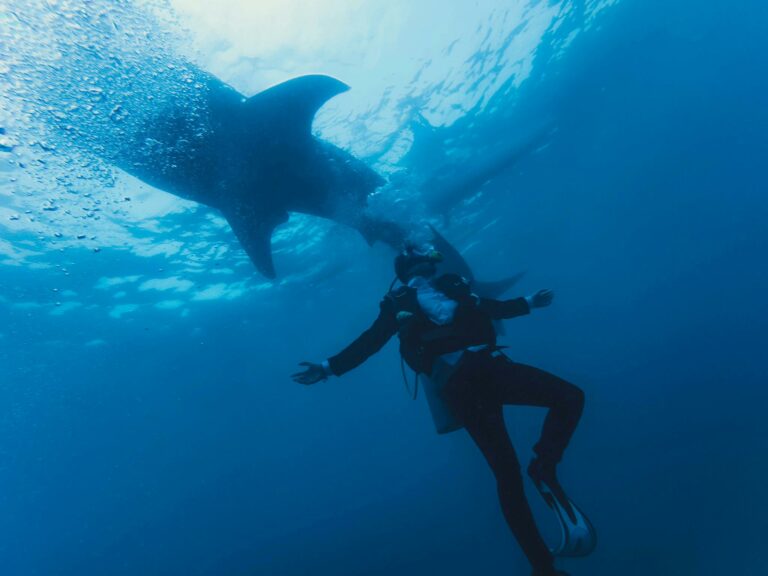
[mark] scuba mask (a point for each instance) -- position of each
(411, 257)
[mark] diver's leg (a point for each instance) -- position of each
(526, 385)
(484, 421)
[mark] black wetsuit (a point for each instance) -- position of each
(483, 383)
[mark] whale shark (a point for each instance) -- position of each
(460, 179)
(256, 161)
(449, 165)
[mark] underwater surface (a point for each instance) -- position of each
(150, 425)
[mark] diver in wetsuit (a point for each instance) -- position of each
(441, 323)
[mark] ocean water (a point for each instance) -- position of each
(150, 425)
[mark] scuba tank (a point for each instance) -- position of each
(434, 385)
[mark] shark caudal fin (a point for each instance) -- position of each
(287, 109)
(497, 288)
(454, 262)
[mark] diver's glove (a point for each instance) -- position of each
(313, 373)
(541, 299)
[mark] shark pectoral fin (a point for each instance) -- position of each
(255, 237)
(292, 105)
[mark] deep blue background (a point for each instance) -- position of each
(183, 447)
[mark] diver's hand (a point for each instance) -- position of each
(311, 375)
(541, 299)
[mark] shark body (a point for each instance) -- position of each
(256, 160)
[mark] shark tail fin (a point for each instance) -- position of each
(288, 109)
(497, 288)
(455, 262)
(255, 236)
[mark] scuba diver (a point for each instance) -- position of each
(447, 333)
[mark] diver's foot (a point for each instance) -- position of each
(543, 471)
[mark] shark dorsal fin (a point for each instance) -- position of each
(291, 106)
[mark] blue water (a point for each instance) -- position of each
(149, 422)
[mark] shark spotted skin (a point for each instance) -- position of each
(256, 160)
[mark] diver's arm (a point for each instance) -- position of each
(502, 309)
(367, 344)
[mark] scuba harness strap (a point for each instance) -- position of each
(412, 395)
(415, 393)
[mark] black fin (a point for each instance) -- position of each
(578, 536)
(290, 107)
(453, 261)
(255, 236)
(497, 288)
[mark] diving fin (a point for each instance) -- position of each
(578, 535)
